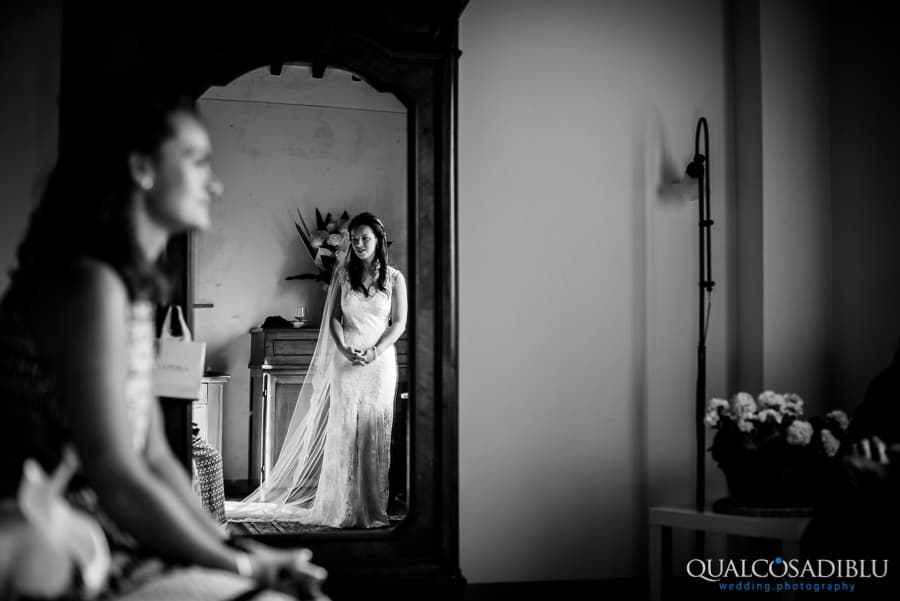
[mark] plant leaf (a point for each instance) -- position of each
(303, 222)
(320, 224)
(304, 276)
(306, 243)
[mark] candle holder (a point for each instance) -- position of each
(300, 319)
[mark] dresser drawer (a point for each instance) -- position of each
(292, 348)
(282, 346)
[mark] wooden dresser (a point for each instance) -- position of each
(279, 358)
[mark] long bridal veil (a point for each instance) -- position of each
(290, 485)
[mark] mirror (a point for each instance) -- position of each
(287, 146)
(409, 50)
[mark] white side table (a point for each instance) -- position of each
(663, 520)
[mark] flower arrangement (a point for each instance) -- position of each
(770, 452)
(325, 245)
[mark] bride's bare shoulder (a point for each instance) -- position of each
(394, 273)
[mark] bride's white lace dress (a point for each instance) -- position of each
(352, 486)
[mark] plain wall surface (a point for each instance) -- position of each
(796, 232)
(578, 332)
(748, 185)
(283, 143)
(578, 283)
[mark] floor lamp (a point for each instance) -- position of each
(698, 169)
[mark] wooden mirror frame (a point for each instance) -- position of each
(409, 49)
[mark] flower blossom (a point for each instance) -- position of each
(765, 414)
(742, 404)
(793, 404)
(830, 443)
(799, 433)
(335, 240)
(713, 407)
(771, 400)
(840, 417)
(715, 404)
(745, 425)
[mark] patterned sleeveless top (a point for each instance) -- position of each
(32, 421)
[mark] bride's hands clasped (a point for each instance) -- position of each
(353, 355)
(359, 356)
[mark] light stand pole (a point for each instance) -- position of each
(699, 169)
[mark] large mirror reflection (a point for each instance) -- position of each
(304, 159)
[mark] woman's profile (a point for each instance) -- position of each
(333, 466)
(77, 339)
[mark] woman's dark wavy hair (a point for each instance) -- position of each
(355, 265)
(83, 209)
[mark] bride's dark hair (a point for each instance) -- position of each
(83, 209)
(355, 265)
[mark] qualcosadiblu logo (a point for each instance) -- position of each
(713, 570)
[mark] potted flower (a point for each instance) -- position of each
(325, 245)
(770, 453)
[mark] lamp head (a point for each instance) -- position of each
(695, 167)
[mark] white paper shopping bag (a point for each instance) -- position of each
(178, 371)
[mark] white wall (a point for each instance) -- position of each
(282, 143)
(578, 277)
(578, 323)
(29, 78)
(747, 226)
(796, 200)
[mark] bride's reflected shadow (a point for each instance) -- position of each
(286, 146)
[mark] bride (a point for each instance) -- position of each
(332, 469)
